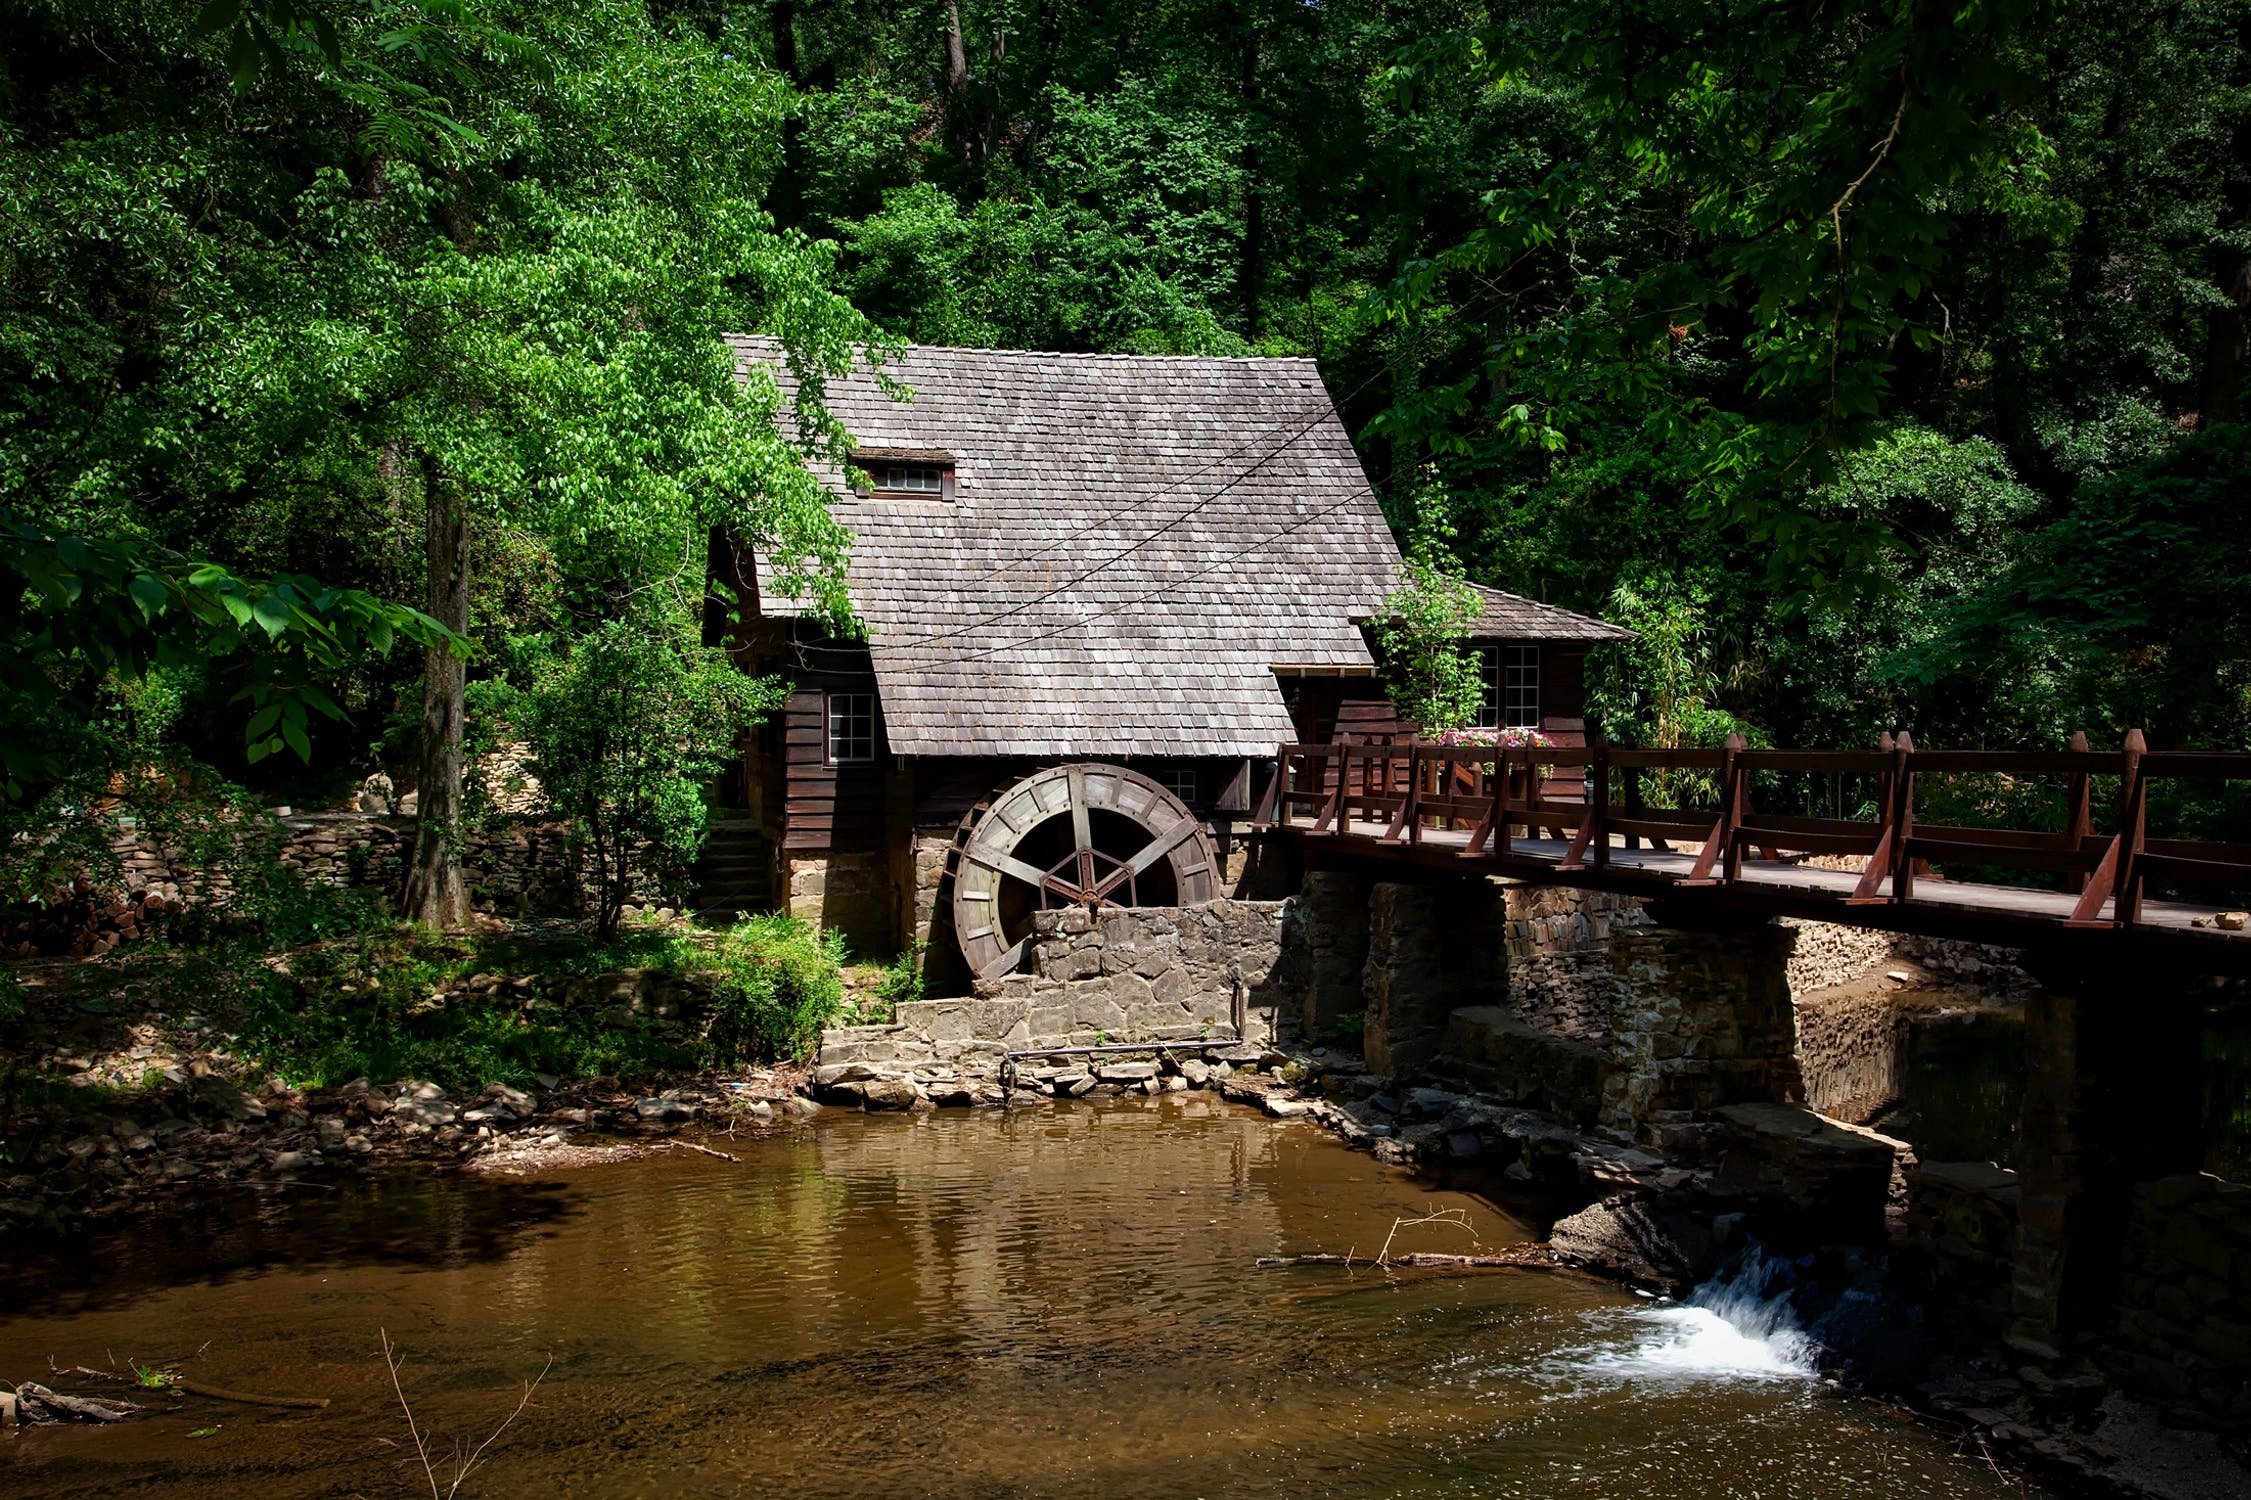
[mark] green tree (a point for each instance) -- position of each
(1419, 634)
(628, 728)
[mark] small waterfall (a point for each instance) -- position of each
(1737, 1326)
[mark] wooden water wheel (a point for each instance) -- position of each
(1086, 834)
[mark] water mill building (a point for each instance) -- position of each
(1099, 591)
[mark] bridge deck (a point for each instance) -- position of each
(2001, 914)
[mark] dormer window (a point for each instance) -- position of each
(907, 473)
(908, 479)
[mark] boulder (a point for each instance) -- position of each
(515, 1101)
(1635, 1240)
(663, 1110)
(224, 1099)
(890, 1093)
(421, 1104)
(1128, 1072)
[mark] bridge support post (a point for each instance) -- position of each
(1431, 947)
(1702, 1019)
(1333, 908)
(2111, 1100)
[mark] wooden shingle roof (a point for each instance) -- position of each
(1512, 617)
(1134, 545)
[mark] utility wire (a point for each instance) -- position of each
(1328, 408)
(1064, 629)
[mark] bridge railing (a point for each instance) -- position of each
(1395, 793)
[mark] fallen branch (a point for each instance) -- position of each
(706, 1150)
(221, 1393)
(1517, 1255)
(35, 1403)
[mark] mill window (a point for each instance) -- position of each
(915, 476)
(1512, 688)
(851, 728)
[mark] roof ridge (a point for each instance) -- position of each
(1240, 359)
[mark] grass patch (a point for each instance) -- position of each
(778, 984)
(390, 1001)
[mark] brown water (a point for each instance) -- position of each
(961, 1304)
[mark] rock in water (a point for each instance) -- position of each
(1630, 1240)
(891, 1093)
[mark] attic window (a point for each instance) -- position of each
(915, 475)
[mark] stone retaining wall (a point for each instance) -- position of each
(1558, 957)
(1152, 974)
(1703, 1021)
(2183, 1330)
(513, 864)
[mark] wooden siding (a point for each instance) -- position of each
(829, 806)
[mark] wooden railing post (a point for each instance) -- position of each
(1721, 840)
(1737, 793)
(1903, 818)
(1599, 806)
(1633, 803)
(1877, 874)
(1406, 820)
(2078, 821)
(2133, 818)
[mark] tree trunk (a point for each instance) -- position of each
(957, 55)
(435, 892)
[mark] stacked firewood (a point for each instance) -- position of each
(80, 921)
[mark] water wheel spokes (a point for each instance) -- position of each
(1086, 834)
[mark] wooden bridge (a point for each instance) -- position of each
(2071, 889)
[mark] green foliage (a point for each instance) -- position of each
(903, 981)
(364, 1005)
(2125, 611)
(627, 731)
(99, 617)
(1419, 633)
(414, 255)
(777, 984)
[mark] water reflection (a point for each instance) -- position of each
(1045, 1303)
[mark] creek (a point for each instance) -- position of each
(1056, 1301)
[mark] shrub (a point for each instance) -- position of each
(902, 977)
(778, 983)
(627, 730)
(1419, 632)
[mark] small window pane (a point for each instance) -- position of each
(1178, 780)
(1512, 688)
(851, 727)
(908, 479)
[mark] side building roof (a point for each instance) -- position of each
(1134, 545)
(1512, 617)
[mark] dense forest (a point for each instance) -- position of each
(1882, 364)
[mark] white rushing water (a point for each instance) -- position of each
(1727, 1330)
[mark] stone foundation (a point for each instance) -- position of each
(1431, 948)
(1558, 939)
(1145, 974)
(1333, 917)
(2182, 1334)
(1703, 1021)
(840, 892)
